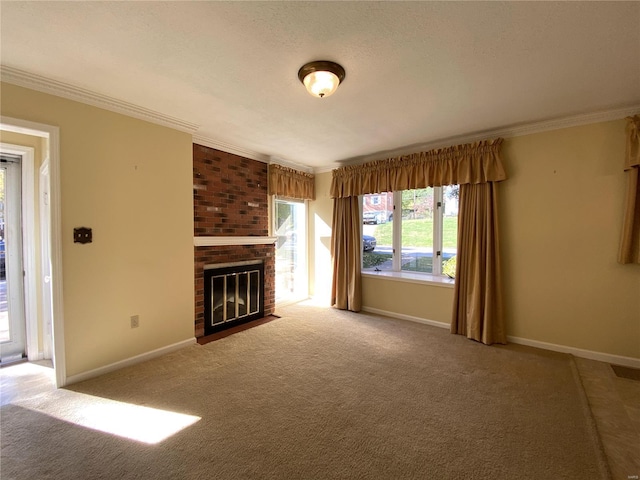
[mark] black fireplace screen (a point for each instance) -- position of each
(233, 295)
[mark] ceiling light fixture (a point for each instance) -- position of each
(321, 78)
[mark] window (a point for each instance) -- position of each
(421, 237)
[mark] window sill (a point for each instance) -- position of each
(411, 277)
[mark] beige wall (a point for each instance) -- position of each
(131, 182)
(560, 218)
(411, 299)
(39, 145)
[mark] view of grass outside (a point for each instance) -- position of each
(419, 232)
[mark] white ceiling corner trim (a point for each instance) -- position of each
(70, 92)
(292, 165)
(567, 122)
(227, 147)
(505, 132)
(243, 152)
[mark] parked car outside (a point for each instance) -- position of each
(368, 243)
(376, 217)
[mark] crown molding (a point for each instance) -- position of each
(504, 132)
(227, 147)
(292, 165)
(71, 92)
(253, 155)
(561, 122)
(330, 168)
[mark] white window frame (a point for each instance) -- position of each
(396, 273)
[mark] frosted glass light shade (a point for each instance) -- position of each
(321, 78)
(321, 84)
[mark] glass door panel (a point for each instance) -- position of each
(5, 329)
(12, 322)
(291, 253)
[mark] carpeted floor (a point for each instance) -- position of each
(317, 394)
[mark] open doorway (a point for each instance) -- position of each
(40, 272)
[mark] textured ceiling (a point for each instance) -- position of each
(416, 72)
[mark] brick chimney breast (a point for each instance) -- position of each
(230, 200)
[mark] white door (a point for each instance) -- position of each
(12, 321)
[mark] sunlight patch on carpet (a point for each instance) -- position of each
(134, 422)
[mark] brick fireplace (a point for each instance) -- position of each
(231, 220)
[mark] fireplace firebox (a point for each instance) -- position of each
(233, 294)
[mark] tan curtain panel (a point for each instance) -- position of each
(346, 252)
(477, 305)
(630, 242)
(477, 162)
(290, 183)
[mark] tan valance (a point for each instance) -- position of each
(473, 163)
(290, 183)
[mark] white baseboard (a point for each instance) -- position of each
(402, 316)
(577, 352)
(128, 361)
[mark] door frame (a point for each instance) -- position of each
(45, 259)
(52, 134)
